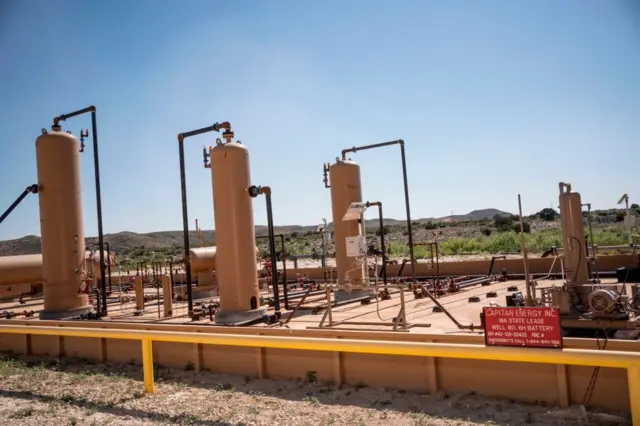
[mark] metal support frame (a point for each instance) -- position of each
(356, 212)
(399, 323)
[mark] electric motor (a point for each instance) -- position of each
(603, 302)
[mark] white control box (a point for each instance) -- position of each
(356, 246)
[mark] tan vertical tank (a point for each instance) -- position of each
(167, 301)
(61, 225)
(345, 189)
(139, 289)
(235, 257)
(571, 221)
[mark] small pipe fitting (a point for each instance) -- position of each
(254, 191)
(83, 135)
(206, 156)
(325, 171)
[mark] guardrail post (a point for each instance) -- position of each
(147, 365)
(633, 373)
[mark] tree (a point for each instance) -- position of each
(525, 226)
(386, 230)
(502, 223)
(548, 214)
(430, 225)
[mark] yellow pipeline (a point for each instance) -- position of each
(613, 359)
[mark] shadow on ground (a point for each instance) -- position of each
(114, 410)
(467, 407)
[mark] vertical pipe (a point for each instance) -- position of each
(383, 247)
(272, 250)
(172, 280)
(139, 289)
(628, 219)
(147, 365)
(437, 262)
(109, 265)
(524, 256)
(185, 228)
(284, 274)
(594, 252)
(96, 166)
(408, 209)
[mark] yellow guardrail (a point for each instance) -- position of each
(614, 359)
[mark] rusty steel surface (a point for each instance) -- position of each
(236, 265)
(61, 221)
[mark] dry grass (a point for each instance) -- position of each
(36, 391)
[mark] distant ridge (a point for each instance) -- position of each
(127, 240)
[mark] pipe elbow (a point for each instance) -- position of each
(92, 108)
(266, 190)
(224, 125)
(180, 137)
(345, 151)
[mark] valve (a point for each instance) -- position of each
(83, 134)
(325, 172)
(228, 135)
(206, 157)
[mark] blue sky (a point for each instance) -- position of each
(493, 98)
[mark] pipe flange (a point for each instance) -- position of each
(254, 191)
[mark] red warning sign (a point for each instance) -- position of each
(527, 327)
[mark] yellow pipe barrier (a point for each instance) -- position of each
(612, 359)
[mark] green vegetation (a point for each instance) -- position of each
(509, 242)
(499, 234)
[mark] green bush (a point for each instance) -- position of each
(506, 242)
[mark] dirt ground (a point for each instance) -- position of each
(36, 391)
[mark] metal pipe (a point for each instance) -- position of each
(556, 250)
(437, 260)
(96, 167)
(382, 244)
(525, 259)
(185, 214)
(32, 189)
(173, 283)
(473, 281)
(254, 191)
(109, 264)
(493, 260)
(406, 191)
(284, 268)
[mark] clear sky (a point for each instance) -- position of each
(493, 98)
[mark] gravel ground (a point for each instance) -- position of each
(36, 391)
